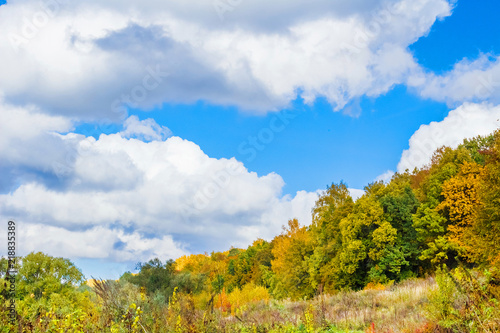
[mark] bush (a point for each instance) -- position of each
(465, 301)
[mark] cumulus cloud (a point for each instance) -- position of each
(467, 121)
(29, 143)
(122, 198)
(94, 59)
(148, 193)
(97, 243)
(472, 81)
(145, 130)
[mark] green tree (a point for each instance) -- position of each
(399, 204)
(431, 225)
(42, 275)
(247, 266)
(48, 285)
(366, 238)
(331, 207)
(476, 146)
(291, 252)
(155, 276)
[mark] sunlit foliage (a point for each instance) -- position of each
(441, 219)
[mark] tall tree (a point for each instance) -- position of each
(399, 204)
(431, 225)
(291, 251)
(331, 207)
(367, 239)
(487, 226)
(460, 207)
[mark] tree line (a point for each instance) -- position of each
(445, 215)
(447, 212)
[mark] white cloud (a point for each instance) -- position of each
(472, 81)
(145, 130)
(92, 60)
(385, 177)
(122, 199)
(142, 193)
(29, 140)
(97, 243)
(356, 193)
(89, 60)
(467, 121)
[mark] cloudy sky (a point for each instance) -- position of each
(132, 130)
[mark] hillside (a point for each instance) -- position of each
(420, 253)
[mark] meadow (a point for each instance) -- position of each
(420, 253)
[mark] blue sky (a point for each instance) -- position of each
(127, 136)
(469, 31)
(319, 146)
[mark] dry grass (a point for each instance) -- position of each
(399, 308)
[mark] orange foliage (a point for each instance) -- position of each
(460, 204)
(221, 301)
(283, 242)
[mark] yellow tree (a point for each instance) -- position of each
(194, 263)
(430, 224)
(459, 206)
(487, 224)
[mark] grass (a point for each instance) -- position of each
(459, 302)
(399, 308)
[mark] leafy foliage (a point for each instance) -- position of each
(441, 220)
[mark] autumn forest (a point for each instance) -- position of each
(420, 253)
